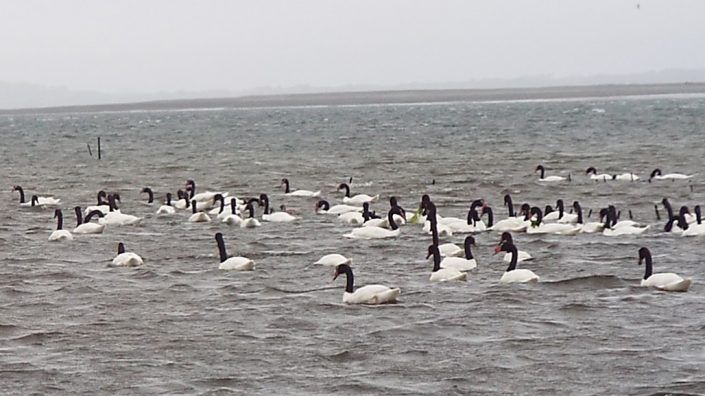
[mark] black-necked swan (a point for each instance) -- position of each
(323, 207)
(333, 260)
(196, 216)
(102, 204)
(298, 193)
(472, 223)
(656, 175)
(114, 217)
(85, 226)
(443, 274)
(370, 294)
(466, 263)
(666, 281)
(204, 199)
(60, 234)
(539, 227)
(594, 176)
(513, 220)
(544, 178)
(559, 215)
(166, 209)
(667, 205)
(183, 200)
(610, 230)
(521, 255)
(697, 228)
(394, 203)
(150, 195)
(250, 222)
(358, 199)
(677, 224)
(39, 201)
(233, 217)
(126, 259)
(377, 232)
(514, 274)
(275, 217)
(591, 227)
(232, 263)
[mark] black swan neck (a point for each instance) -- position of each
(79, 215)
(346, 188)
(542, 170)
(436, 257)
(579, 212)
(59, 219)
(646, 254)
(150, 194)
(390, 218)
(286, 186)
(92, 213)
(513, 263)
(193, 206)
(121, 248)
(490, 216)
(468, 248)
(21, 191)
(510, 206)
(221, 247)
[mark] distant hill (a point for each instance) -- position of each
(26, 96)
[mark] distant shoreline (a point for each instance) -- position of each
(382, 97)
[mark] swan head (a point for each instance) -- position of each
(218, 197)
(644, 253)
(655, 172)
(469, 241)
(432, 250)
(146, 190)
(284, 181)
(576, 206)
(591, 170)
(57, 213)
(180, 194)
(603, 213)
(507, 199)
(341, 269)
(121, 248)
(506, 237)
(16, 188)
(190, 184)
(116, 197)
(322, 204)
(393, 201)
(539, 168)
(504, 246)
(525, 208)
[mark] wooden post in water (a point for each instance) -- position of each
(89, 149)
(98, 147)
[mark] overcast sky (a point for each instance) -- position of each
(156, 45)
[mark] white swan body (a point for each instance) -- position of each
(448, 274)
(104, 209)
(279, 217)
(450, 250)
(372, 294)
(116, 218)
(519, 275)
(458, 263)
(199, 217)
(568, 218)
(667, 281)
(233, 220)
(592, 227)
(333, 260)
(551, 179)
(554, 228)
(601, 177)
(508, 224)
(207, 197)
(384, 223)
(372, 233)
(304, 193)
(340, 209)
(626, 177)
(250, 223)
(672, 176)
(694, 230)
(354, 218)
(625, 230)
(127, 259)
(521, 256)
(443, 229)
(166, 210)
(181, 204)
(89, 228)
(60, 235)
(360, 199)
(237, 264)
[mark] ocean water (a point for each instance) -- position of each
(70, 324)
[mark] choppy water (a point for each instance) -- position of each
(70, 324)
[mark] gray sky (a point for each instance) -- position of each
(167, 45)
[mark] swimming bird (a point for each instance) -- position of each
(323, 207)
(197, 217)
(150, 195)
(250, 222)
(656, 175)
(38, 201)
(370, 294)
(665, 281)
(594, 176)
(85, 226)
(298, 193)
(513, 274)
(697, 228)
(126, 259)
(466, 263)
(232, 263)
(543, 178)
(538, 227)
(440, 274)
(166, 209)
(377, 232)
(60, 234)
(102, 203)
(114, 217)
(276, 217)
(521, 255)
(358, 199)
(609, 228)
